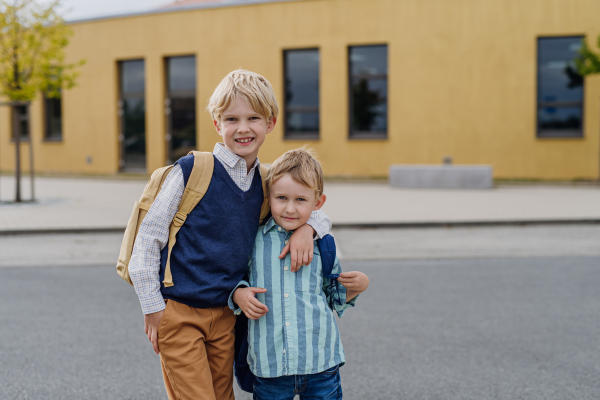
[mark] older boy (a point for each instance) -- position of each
(294, 345)
(194, 330)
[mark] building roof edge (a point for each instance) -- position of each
(232, 3)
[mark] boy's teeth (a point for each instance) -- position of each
(243, 140)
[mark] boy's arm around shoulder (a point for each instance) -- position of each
(152, 237)
(320, 222)
(301, 243)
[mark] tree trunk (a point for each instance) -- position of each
(17, 137)
(30, 135)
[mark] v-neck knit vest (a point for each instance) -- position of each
(211, 253)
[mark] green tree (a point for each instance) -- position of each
(32, 60)
(589, 62)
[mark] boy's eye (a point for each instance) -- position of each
(281, 197)
(230, 119)
(301, 199)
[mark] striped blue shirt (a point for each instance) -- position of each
(299, 334)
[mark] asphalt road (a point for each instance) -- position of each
(460, 328)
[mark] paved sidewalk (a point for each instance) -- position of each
(72, 204)
(75, 249)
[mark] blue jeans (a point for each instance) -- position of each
(325, 385)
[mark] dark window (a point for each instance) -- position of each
(560, 88)
(301, 93)
(53, 118)
(368, 91)
(132, 111)
(22, 122)
(180, 106)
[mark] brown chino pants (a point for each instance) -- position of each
(196, 352)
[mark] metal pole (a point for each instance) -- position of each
(0, 176)
(17, 136)
(31, 172)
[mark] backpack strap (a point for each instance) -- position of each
(140, 209)
(328, 253)
(195, 189)
(265, 208)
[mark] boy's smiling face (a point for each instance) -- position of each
(243, 129)
(292, 202)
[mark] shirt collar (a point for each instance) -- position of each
(229, 157)
(271, 224)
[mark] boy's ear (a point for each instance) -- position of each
(217, 127)
(271, 124)
(320, 202)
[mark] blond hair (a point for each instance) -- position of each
(302, 166)
(248, 85)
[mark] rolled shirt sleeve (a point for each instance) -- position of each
(320, 222)
(236, 309)
(336, 293)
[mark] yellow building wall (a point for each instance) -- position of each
(462, 82)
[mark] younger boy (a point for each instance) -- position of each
(293, 339)
(189, 322)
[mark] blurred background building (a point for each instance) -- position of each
(367, 83)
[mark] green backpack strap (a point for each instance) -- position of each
(195, 189)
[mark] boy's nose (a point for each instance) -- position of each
(243, 127)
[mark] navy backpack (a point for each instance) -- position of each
(243, 375)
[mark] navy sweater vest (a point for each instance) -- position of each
(211, 253)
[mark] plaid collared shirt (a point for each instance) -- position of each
(153, 234)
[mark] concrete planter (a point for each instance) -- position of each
(441, 176)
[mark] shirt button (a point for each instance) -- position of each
(285, 268)
(287, 241)
(283, 351)
(287, 324)
(286, 295)
(278, 228)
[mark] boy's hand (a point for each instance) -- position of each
(355, 282)
(300, 247)
(246, 300)
(151, 322)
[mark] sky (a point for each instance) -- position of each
(83, 9)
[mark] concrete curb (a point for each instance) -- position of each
(365, 225)
(54, 231)
(450, 224)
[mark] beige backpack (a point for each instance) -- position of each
(195, 189)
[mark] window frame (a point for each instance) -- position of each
(309, 135)
(121, 99)
(366, 135)
(170, 95)
(554, 134)
(48, 137)
(27, 119)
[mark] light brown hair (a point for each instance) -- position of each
(302, 166)
(248, 85)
